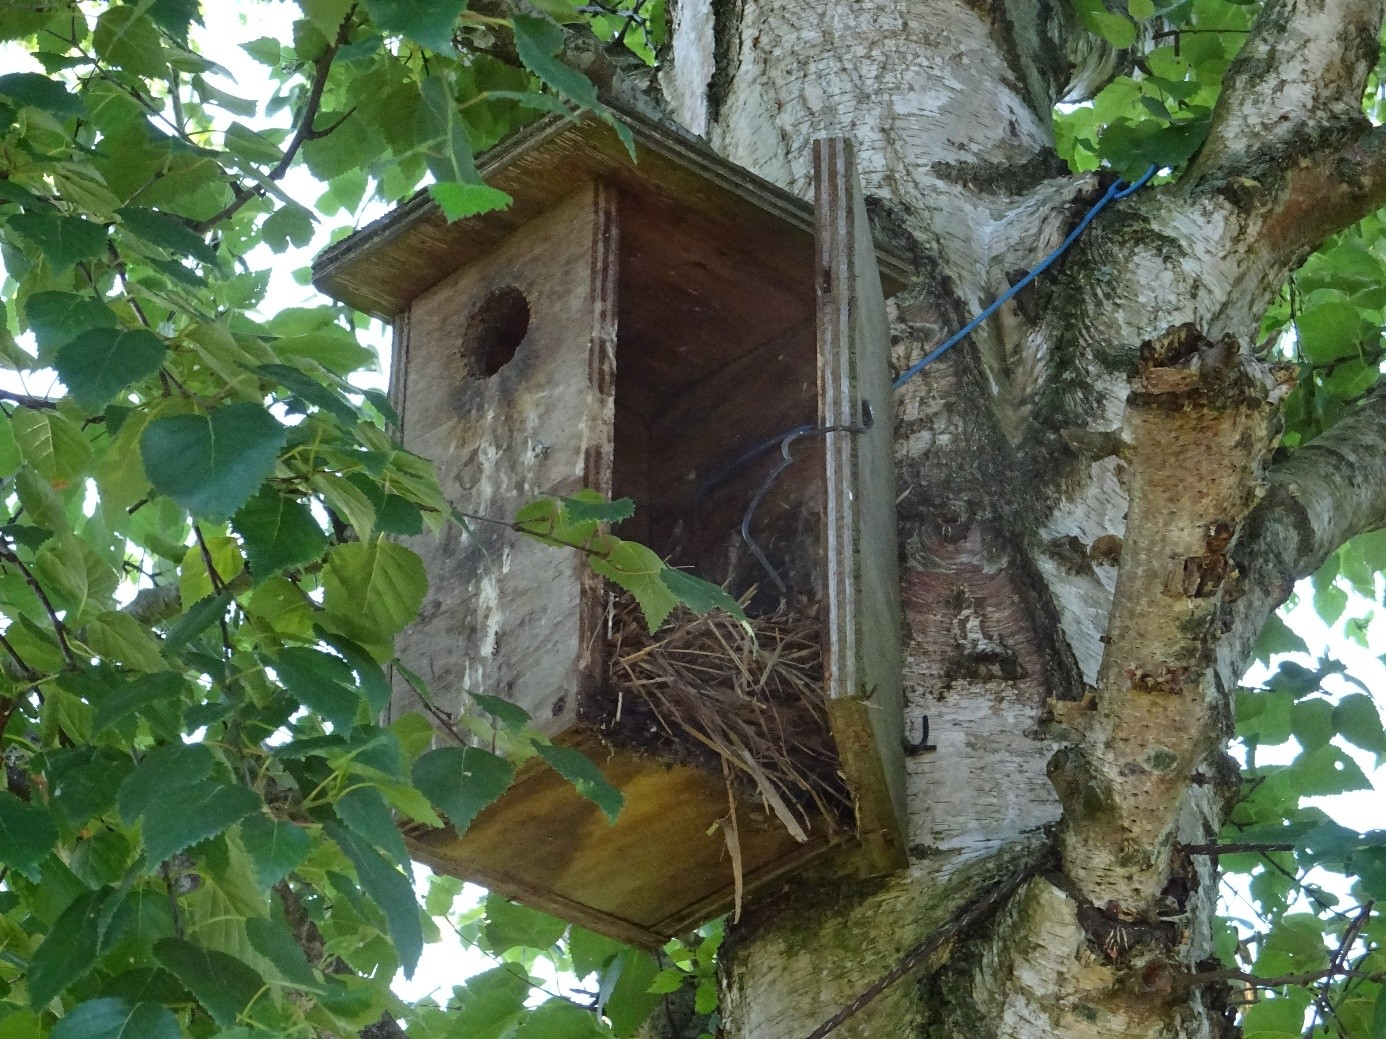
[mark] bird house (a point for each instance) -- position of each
(677, 331)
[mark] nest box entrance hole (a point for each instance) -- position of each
(495, 330)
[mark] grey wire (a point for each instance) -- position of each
(786, 461)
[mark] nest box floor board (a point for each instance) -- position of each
(652, 875)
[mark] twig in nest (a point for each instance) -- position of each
(748, 699)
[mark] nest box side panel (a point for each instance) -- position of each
(505, 383)
(863, 654)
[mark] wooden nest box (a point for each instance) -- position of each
(649, 330)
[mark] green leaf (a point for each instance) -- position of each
(374, 684)
(272, 940)
(1141, 9)
(639, 571)
(167, 232)
(705, 1000)
(371, 590)
(590, 952)
(1276, 638)
(137, 696)
(327, 15)
(205, 809)
(57, 318)
(100, 363)
(389, 889)
(223, 984)
(69, 951)
(277, 847)
(52, 444)
(125, 37)
(490, 1003)
(63, 240)
(512, 716)
(279, 533)
(559, 1019)
(582, 772)
(367, 815)
(1379, 1015)
(117, 1019)
(590, 507)
(251, 145)
(459, 201)
(698, 595)
(27, 834)
(510, 925)
(1329, 330)
(462, 781)
(537, 40)
(162, 775)
(321, 682)
(33, 90)
(668, 980)
(311, 391)
(427, 22)
(631, 1002)
(288, 225)
(1355, 716)
(212, 464)
(200, 616)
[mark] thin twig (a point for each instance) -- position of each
(1214, 850)
(303, 131)
(23, 399)
(7, 555)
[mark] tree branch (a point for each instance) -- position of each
(1330, 192)
(1297, 82)
(25, 400)
(303, 131)
(1289, 140)
(1328, 491)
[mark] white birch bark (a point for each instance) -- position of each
(1085, 563)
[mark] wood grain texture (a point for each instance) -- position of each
(506, 615)
(384, 266)
(650, 876)
(862, 622)
(716, 282)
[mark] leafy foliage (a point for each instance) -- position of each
(1300, 898)
(199, 581)
(200, 592)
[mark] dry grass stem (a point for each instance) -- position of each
(748, 702)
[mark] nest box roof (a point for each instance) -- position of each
(384, 266)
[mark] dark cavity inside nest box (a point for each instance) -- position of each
(640, 329)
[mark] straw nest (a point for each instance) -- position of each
(746, 699)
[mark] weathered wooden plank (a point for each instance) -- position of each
(387, 264)
(660, 869)
(862, 621)
(505, 615)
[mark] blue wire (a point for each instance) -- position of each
(1116, 191)
(783, 440)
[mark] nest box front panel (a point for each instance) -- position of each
(504, 378)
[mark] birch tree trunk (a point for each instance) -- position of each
(1090, 535)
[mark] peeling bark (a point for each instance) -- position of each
(1089, 537)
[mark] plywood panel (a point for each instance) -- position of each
(387, 264)
(505, 615)
(705, 435)
(653, 874)
(863, 663)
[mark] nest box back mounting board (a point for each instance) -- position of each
(630, 328)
